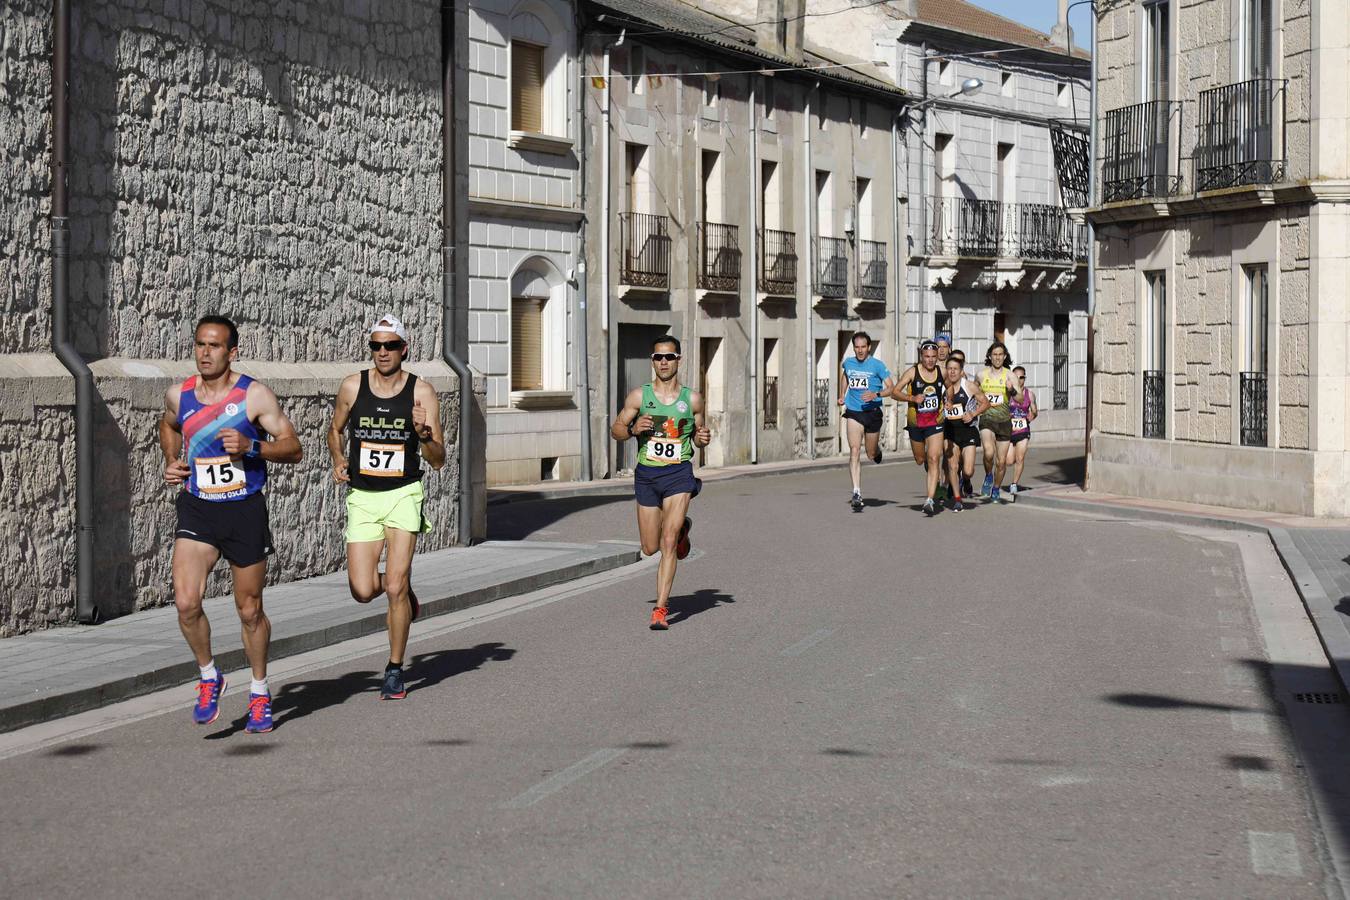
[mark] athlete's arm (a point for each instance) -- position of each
(886, 387)
(628, 423)
(176, 470)
(263, 408)
(843, 384)
(347, 391)
(427, 422)
(981, 404)
(702, 436)
(899, 390)
(1035, 410)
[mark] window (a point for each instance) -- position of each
(1155, 355)
(1006, 84)
(1258, 32)
(527, 87)
(767, 90)
(1005, 175)
(864, 226)
(1061, 332)
(824, 205)
(1252, 379)
(711, 187)
(637, 179)
(942, 323)
(771, 202)
(822, 110)
(1061, 94)
(944, 166)
(712, 91)
(862, 120)
(944, 71)
(771, 366)
(1157, 50)
(527, 340)
(637, 69)
(538, 328)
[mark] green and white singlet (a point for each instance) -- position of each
(671, 440)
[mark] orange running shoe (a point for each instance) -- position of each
(683, 547)
(659, 619)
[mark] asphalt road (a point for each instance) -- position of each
(1002, 702)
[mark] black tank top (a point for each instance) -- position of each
(383, 452)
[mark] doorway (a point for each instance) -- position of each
(712, 384)
(635, 370)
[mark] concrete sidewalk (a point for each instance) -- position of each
(1315, 552)
(61, 671)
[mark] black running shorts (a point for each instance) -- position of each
(963, 434)
(870, 419)
(237, 528)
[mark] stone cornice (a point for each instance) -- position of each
(1250, 196)
(512, 209)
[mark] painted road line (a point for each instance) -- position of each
(556, 782)
(1274, 853)
(807, 642)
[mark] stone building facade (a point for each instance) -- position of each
(995, 254)
(751, 214)
(1223, 251)
(279, 163)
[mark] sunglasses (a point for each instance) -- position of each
(386, 345)
(665, 357)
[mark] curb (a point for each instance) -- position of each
(1321, 610)
(58, 705)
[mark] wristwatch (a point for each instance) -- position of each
(254, 449)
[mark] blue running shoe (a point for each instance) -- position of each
(958, 506)
(259, 714)
(393, 688)
(988, 486)
(994, 497)
(207, 708)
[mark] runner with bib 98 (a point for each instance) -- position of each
(667, 420)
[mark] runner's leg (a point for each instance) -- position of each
(363, 570)
(192, 562)
(256, 629)
(919, 451)
(872, 442)
(1001, 463)
(1020, 459)
(854, 429)
(672, 514)
(397, 569)
(953, 467)
(933, 455)
(649, 528)
(990, 447)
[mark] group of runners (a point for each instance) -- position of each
(950, 414)
(220, 428)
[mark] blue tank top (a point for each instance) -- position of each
(212, 474)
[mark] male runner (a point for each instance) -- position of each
(996, 424)
(944, 345)
(1023, 412)
(921, 388)
(223, 416)
(667, 420)
(393, 422)
(967, 467)
(943, 340)
(865, 381)
(964, 401)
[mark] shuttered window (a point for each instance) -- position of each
(527, 87)
(527, 341)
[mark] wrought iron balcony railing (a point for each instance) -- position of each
(646, 250)
(1061, 375)
(1155, 404)
(1138, 152)
(1241, 135)
(831, 267)
(872, 270)
(719, 251)
(1253, 412)
(823, 403)
(990, 229)
(778, 262)
(770, 401)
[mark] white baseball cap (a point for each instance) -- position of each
(390, 323)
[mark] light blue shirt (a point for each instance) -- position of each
(868, 375)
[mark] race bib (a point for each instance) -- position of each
(217, 475)
(1019, 424)
(955, 412)
(931, 402)
(664, 450)
(382, 460)
(995, 400)
(858, 382)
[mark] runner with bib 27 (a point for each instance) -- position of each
(996, 380)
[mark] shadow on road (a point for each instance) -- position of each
(298, 699)
(517, 521)
(1069, 468)
(690, 605)
(1162, 701)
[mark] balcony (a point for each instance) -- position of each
(1138, 150)
(778, 263)
(645, 250)
(989, 229)
(719, 253)
(1241, 135)
(872, 271)
(770, 402)
(1253, 412)
(831, 267)
(1155, 404)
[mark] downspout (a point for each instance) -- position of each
(1092, 238)
(898, 280)
(924, 226)
(583, 357)
(809, 195)
(86, 611)
(605, 249)
(754, 277)
(449, 330)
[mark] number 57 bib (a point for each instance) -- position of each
(382, 460)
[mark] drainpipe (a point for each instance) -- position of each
(754, 277)
(809, 195)
(449, 329)
(86, 611)
(605, 250)
(583, 357)
(924, 226)
(1092, 234)
(898, 280)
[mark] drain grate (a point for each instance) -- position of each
(1319, 697)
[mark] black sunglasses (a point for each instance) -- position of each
(386, 345)
(665, 357)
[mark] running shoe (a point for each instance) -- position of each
(1012, 492)
(929, 509)
(682, 548)
(988, 485)
(659, 619)
(393, 688)
(877, 459)
(941, 492)
(856, 501)
(958, 506)
(207, 709)
(994, 497)
(966, 487)
(259, 714)
(413, 604)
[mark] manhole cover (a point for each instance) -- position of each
(1319, 697)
